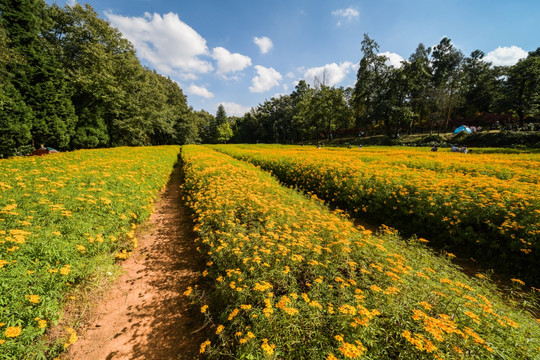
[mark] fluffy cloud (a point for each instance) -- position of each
(266, 79)
(393, 59)
(330, 74)
(348, 14)
(235, 109)
(199, 91)
(169, 44)
(264, 43)
(228, 63)
(504, 56)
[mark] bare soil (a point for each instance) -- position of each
(145, 315)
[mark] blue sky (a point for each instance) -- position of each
(239, 53)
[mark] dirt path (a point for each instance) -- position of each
(145, 315)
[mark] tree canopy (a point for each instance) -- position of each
(69, 80)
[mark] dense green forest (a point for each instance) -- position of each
(69, 80)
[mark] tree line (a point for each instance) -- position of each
(435, 90)
(69, 80)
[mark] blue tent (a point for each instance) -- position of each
(463, 128)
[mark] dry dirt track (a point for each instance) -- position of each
(145, 315)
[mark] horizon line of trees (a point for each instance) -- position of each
(435, 90)
(69, 80)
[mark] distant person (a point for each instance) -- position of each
(463, 150)
(42, 150)
(349, 146)
(434, 148)
(360, 146)
(454, 148)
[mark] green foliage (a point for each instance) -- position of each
(224, 132)
(479, 85)
(62, 217)
(502, 139)
(522, 89)
(15, 115)
(219, 128)
(15, 121)
(39, 78)
(72, 81)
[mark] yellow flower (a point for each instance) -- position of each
(34, 299)
(219, 329)
(13, 331)
(268, 348)
(351, 350)
(426, 305)
(72, 337)
(518, 281)
(204, 308)
(65, 270)
(233, 314)
(204, 345)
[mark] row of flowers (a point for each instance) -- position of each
(287, 278)
(487, 206)
(62, 216)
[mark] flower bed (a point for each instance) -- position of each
(289, 279)
(486, 206)
(61, 217)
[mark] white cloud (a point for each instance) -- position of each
(393, 59)
(199, 91)
(234, 109)
(347, 14)
(330, 74)
(227, 62)
(71, 3)
(505, 56)
(266, 79)
(169, 44)
(264, 43)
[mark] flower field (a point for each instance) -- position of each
(483, 205)
(61, 217)
(287, 278)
